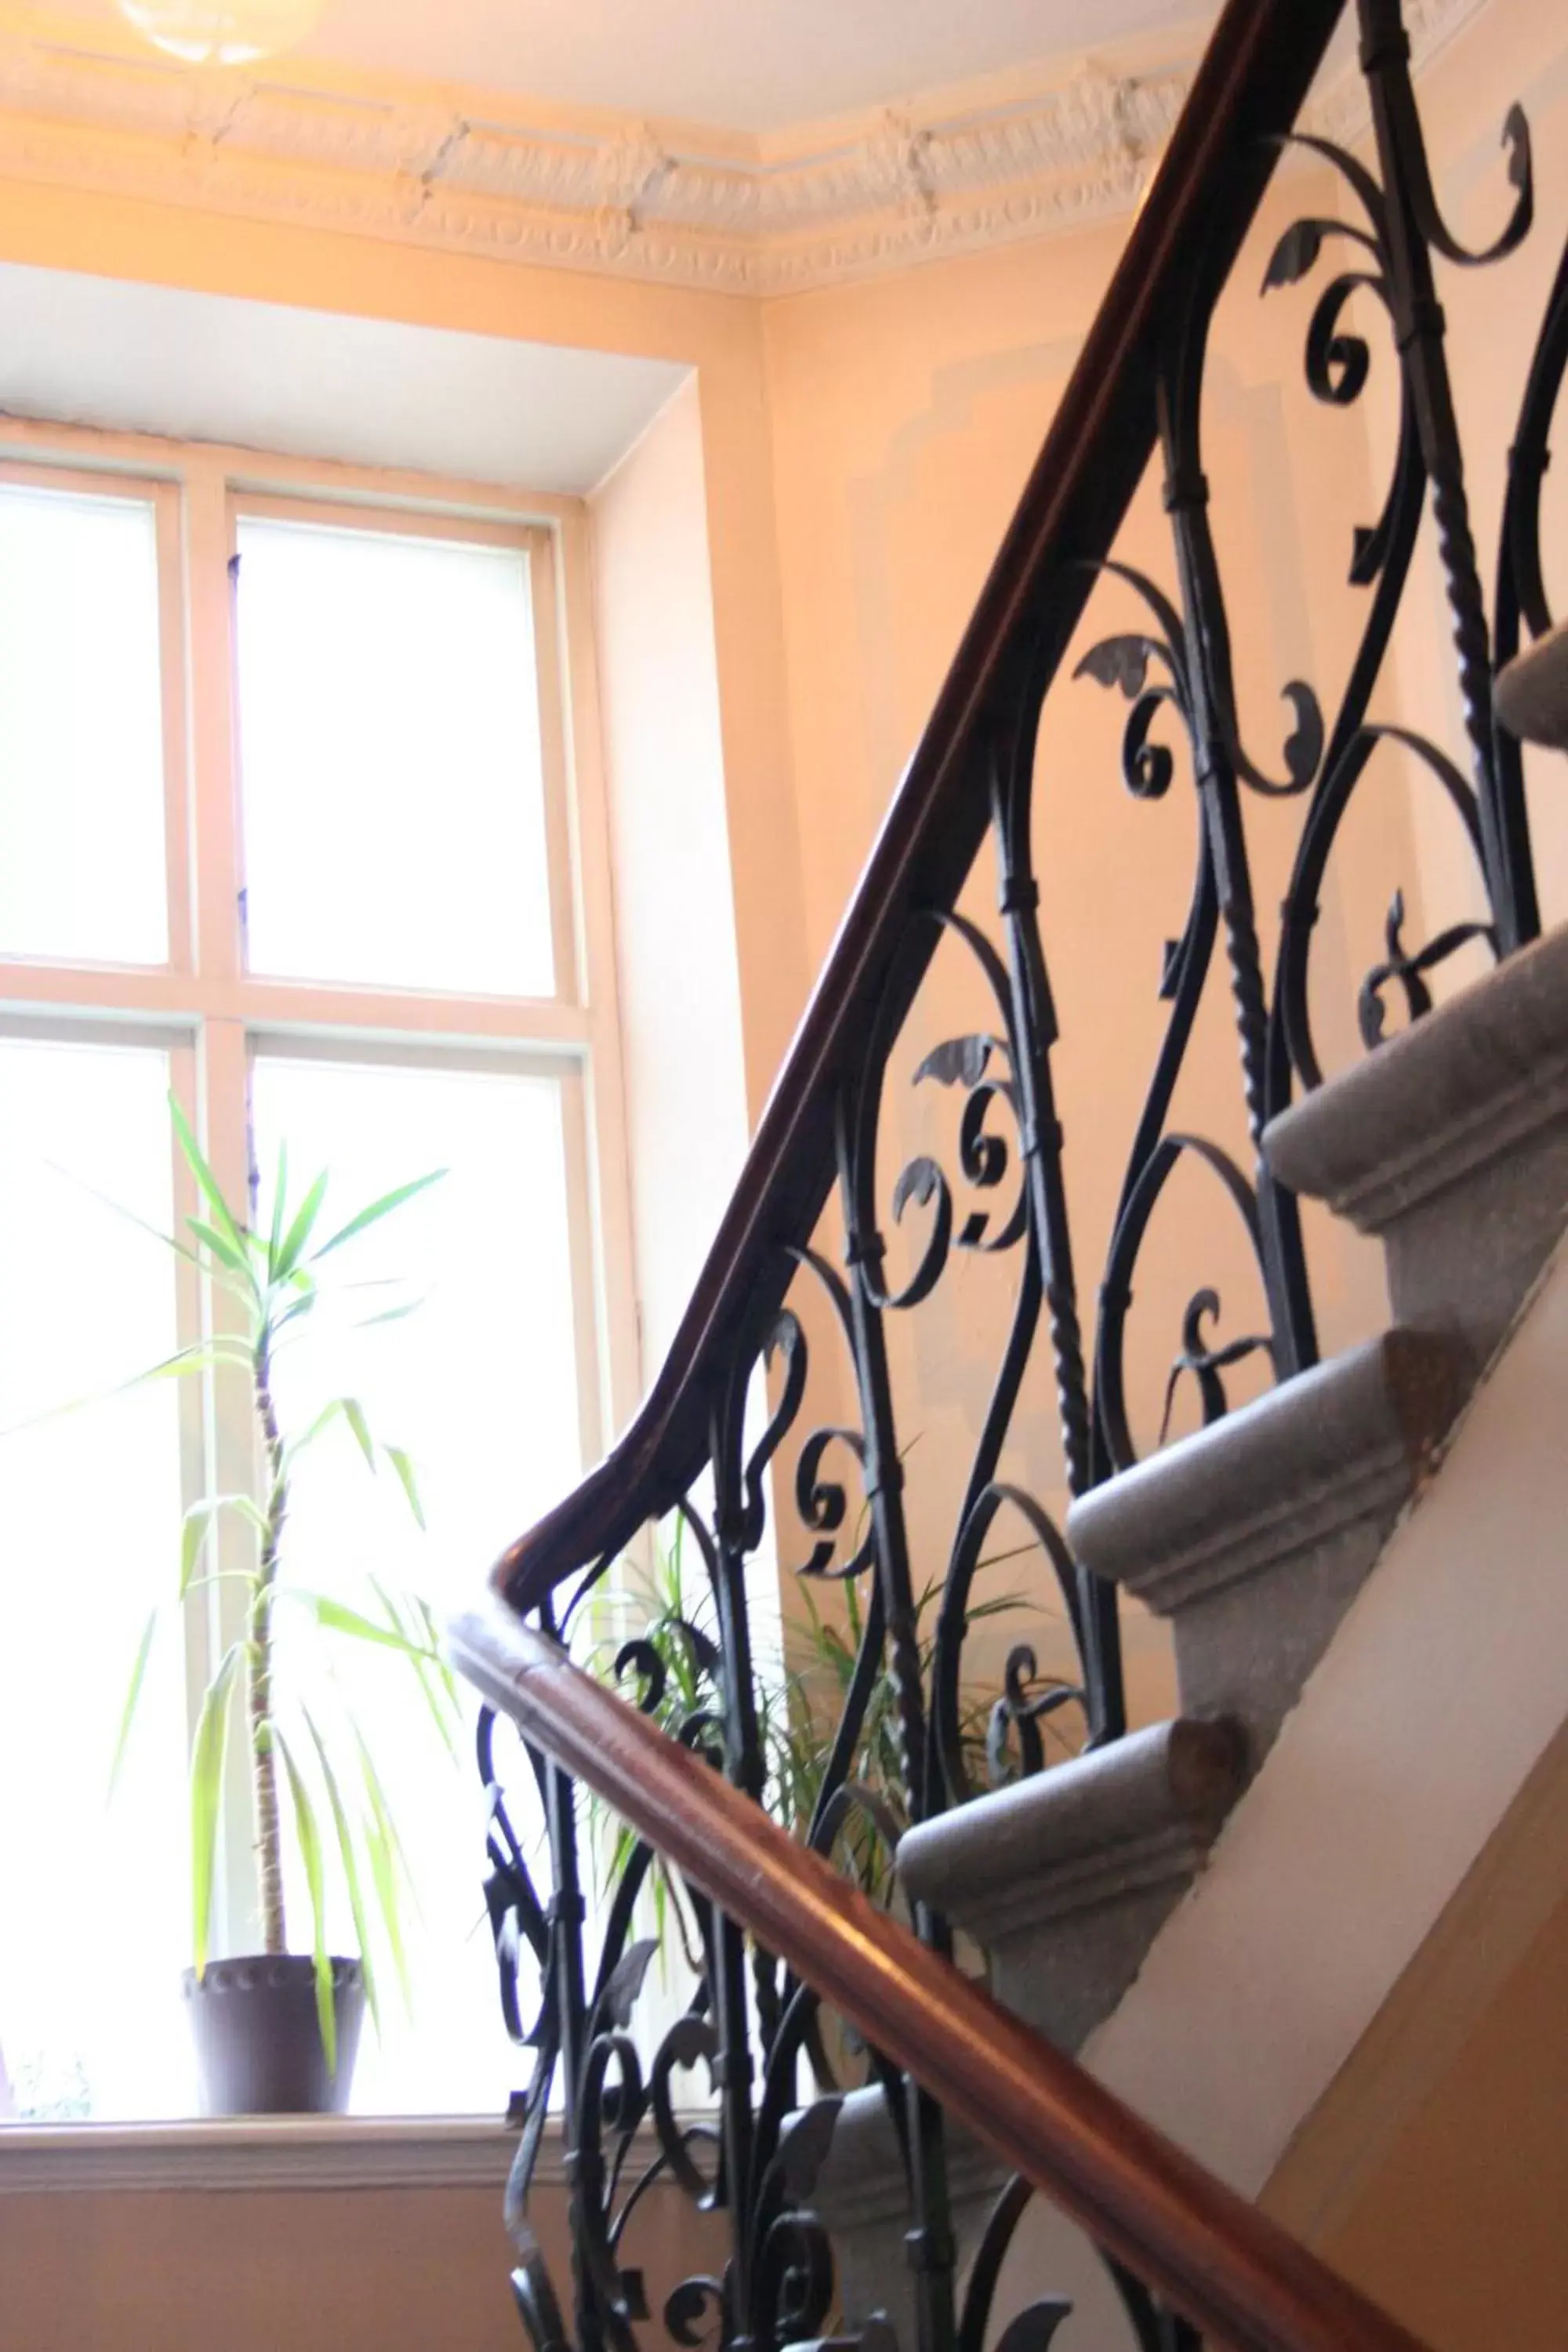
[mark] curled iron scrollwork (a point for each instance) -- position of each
(734, 2104)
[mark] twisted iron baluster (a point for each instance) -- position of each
(1412, 227)
(1520, 590)
(1211, 685)
(1220, 763)
(1034, 1034)
(864, 1253)
(744, 1765)
(932, 2251)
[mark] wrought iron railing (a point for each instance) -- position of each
(730, 1407)
(1186, 2254)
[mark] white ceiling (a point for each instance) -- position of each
(748, 65)
(207, 367)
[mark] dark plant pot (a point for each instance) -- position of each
(258, 2045)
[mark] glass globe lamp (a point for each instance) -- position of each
(222, 32)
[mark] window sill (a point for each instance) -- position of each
(262, 2152)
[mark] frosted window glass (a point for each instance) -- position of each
(82, 861)
(94, 1902)
(481, 1385)
(392, 787)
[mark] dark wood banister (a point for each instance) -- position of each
(1249, 91)
(1243, 2281)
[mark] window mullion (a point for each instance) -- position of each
(234, 1457)
(179, 844)
(218, 870)
(200, 1628)
(223, 1056)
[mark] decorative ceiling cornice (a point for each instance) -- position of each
(1017, 157)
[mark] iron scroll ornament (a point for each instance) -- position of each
(756, 2157)
(624, 2136)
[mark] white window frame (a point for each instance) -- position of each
(213, 1017)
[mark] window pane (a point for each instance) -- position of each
(94, 1902)
(81, 735)
(393, 797)
(481, 1385)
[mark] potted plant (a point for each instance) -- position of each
(658, 1622)
(277, 2031)
(656, 1619)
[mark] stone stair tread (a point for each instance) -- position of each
(1256, 1534)
(1062, 1841)
(863, 2171)
(1450, 1144)
(1277, 1473)
(862, 2190)
(1459, 1090)
(1532, 691)
(1066, 1877)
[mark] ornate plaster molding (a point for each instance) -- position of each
(1020, 156)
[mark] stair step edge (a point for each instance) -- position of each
(1459, 1090)
(1138, 1813)
(1348, 1441)
(862, 2186)
(1531, 697)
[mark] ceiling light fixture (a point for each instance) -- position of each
(223, 32)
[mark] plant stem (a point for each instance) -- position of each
(263, 1753)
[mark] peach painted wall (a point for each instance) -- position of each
(318, 2270)
(307, 2270)
(906, 412)
(1512, 52)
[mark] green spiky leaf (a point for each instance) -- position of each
(207, 1752)
(133, 1698)
(193, 1541)
(376, 1211)
(293, 1243)
(406, 1480)
(222, 1248)
(337, 1617)
(198, 1524)
(349, 1854)
(354, 1413)
(424, 1657)
(211, 1190)
(389, 1862)
(310, 1836)
(382, 1859)
(280, 1199)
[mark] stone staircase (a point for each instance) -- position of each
(1254, 1535)
(1449, 1145)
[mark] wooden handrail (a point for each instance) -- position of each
(1238, 2277)
(1247, 95)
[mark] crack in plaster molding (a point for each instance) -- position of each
(947, 174)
